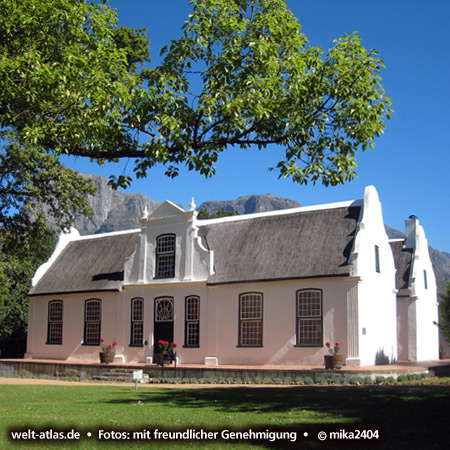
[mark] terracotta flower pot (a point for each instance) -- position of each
(165, 358)
(334, 361)
(107, 358)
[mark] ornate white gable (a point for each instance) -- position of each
(191, 260)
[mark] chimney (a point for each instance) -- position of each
(411, 229)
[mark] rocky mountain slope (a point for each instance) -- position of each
(116, 210)
(250, 204)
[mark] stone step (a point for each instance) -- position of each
(124, 375)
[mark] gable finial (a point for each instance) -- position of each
(145, 214)
(192, 205)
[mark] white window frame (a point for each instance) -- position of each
(251, 319)
(309, 314)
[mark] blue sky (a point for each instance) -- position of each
(410, 163)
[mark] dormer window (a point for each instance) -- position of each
(165, 256)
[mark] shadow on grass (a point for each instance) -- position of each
(406, 417)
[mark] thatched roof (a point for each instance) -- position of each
(89, 265)
(291, 245)
(402, 260)
(304, 244)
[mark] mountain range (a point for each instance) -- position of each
(116, 210)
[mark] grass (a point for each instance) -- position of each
(407, 417)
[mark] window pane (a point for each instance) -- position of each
(166, 266)
(165, 256)
(55, 333)
(55, 313)
(138, 333)
(251, 332)
(192, 333)
(166, 244)
(92, 322)
(93, 312)
(309, 317)
(137, 310)
(309, 304)
(92, 333)
(251, 306)
(192, 308)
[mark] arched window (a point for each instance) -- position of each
(309, 317)
(55, 322)
(250, 319)
(137, 322)
(92, 321)
(192, 322)
(165, 256)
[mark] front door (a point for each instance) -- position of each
(163, 326)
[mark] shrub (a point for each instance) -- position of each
(321, 380)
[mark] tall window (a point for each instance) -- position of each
(137, 322)
(250, 319)
(165, 256)
(92, 322)
(309, 317)
(192, 327)
(377, 258)
(425, 281)
(55, 322)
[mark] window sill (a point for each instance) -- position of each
(191, 346)
(308, 345)
(136, 345)
(53, 343)
(87, 344)
(249, 346)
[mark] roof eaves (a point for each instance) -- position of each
(265, 280)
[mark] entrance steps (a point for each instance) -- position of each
(119, 374)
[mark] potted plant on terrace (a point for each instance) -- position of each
(108, 352)
(167, 352)
(333, 360)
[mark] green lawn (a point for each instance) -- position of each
(406, 417)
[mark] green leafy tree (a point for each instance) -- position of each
(24, 249)
(242, 74)
(444, 312)
(203, 214)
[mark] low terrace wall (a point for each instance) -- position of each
(67, 369)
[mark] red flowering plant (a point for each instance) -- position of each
(167, 347)
(108, 348)
(333, 350)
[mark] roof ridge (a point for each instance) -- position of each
(104, 235)
(281, 212)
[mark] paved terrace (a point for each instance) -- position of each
(88, 370)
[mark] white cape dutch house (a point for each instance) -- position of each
(266, 288)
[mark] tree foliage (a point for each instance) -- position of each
(24, 249)
(204, 214)
(34, 182)
(242, 74)
(444, 313)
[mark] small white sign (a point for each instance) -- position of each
(137, 375)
